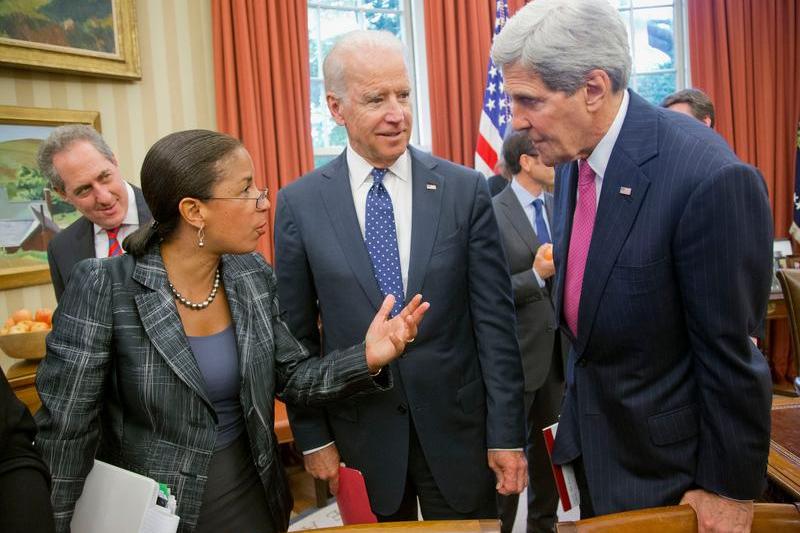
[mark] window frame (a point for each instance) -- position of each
(412, 20)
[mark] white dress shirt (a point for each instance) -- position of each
(398, 184)
(129, 224)
(602, 152)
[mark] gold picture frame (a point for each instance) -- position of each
(119, 29)
(13, 276)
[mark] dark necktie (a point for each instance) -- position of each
(114, 248)
(539, 223)
(380, 236)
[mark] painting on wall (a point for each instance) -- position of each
(95, 37)
(30, 213)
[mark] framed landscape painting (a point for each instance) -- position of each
(94, 37)
(30, 214)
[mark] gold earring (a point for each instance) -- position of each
(201, 237)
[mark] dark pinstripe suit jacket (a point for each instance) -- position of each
(120, 378)
(664, 389)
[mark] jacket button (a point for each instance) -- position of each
(262, 460)
(582, 362)
(402, 409)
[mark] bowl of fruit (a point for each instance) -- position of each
(22, 336)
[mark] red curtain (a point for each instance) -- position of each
(745, 55)
(458, 38)
(261, 75)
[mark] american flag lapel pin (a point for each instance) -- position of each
(625, 191)
(430, 186)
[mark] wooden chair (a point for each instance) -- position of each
(789, 279)
(767, 518)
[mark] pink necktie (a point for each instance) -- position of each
(114, 248)
(581, 237)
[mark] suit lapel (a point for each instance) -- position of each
(624, 188)
(426, 198)
(241, 314)
(564, 202)
(337, 196)
(162, 324)
(85, 240)
(519, 219)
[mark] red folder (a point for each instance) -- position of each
(352, 498)
(564, 475)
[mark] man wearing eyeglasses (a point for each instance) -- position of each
(82, 169)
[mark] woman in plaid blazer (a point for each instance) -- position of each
(122, 381)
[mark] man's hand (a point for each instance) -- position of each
(324, 464)
(511, 470)
(717, 514)
(543, 262)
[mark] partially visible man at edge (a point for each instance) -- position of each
(384, 218)
(82, 169)
(663, 242)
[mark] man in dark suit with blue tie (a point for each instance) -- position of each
(384, 218)
(524, 215)
(662, 241)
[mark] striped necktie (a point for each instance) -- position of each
(114, 247)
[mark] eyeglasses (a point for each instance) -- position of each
(261, 199)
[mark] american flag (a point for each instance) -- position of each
(795, 227)
(496, 113)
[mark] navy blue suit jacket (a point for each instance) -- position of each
(461, 379)
(665, 391)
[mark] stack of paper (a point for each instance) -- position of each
(118, 500)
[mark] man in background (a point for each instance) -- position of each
(663, 252)
(692, 102)
(524, 213)
(82, 169)
(385, 218)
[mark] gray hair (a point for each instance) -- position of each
(699, 102)
(358, 42)
(563, 40)
(59, 140)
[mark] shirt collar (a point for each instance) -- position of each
(360, 170)
(602, 152)
(524, 196)
(132, 216)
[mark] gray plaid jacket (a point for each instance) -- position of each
(120, 382)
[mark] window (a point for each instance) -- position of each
(656, 37)
(327, 20)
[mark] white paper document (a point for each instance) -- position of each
(114, 499)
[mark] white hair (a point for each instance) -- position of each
(563, 40)
(358, 42)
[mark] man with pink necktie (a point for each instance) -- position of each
(82, 169)
(662, 244)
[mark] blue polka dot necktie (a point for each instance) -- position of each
(380, 236)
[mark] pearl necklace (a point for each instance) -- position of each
(202, 305)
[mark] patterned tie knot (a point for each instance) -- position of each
(378, 174)
(114, 248)
(113, 232)
(585, 173)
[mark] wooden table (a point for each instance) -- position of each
(784, 447)
(428, 526)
